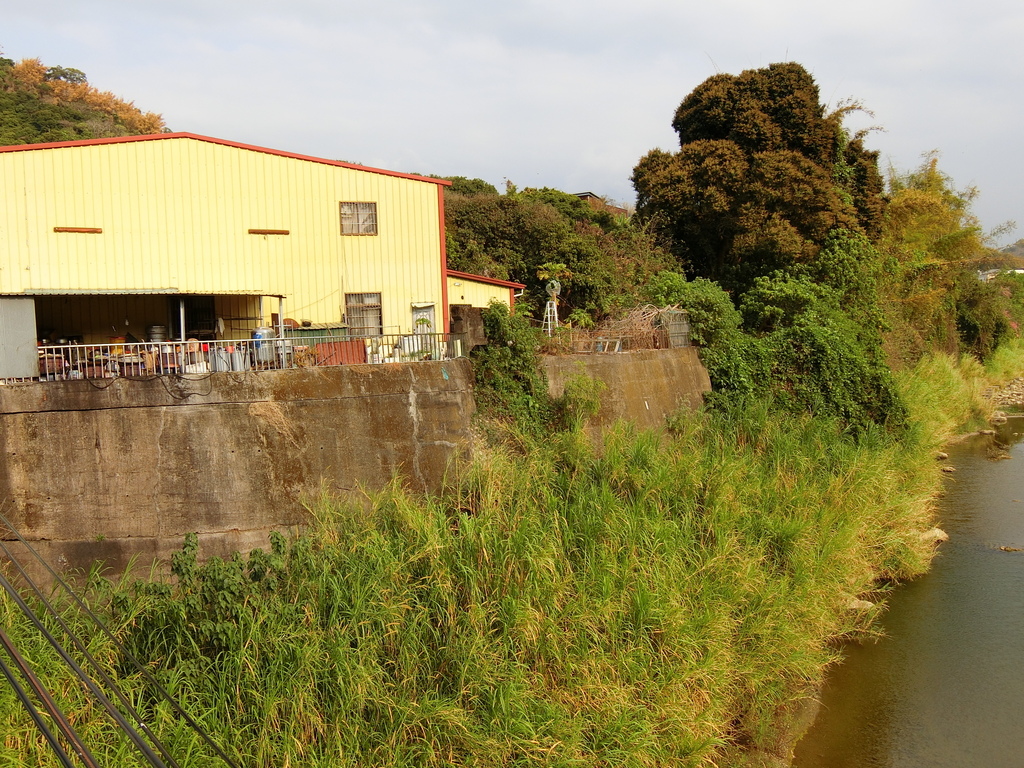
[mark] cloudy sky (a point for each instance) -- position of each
(562, 93)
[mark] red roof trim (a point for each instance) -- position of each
(444, 262)
(482, 279)
(222, 142)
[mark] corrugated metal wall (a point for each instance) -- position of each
(175, 215)
(463, 291)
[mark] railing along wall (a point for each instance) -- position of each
(62, 362)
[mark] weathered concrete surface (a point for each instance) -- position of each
(130, 468)
(644, 387)
(120, 468)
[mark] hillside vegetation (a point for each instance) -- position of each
(808, 274)
(660, 601)
(44, 104)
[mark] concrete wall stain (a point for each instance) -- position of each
(644, 387)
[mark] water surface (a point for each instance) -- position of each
(945, 686)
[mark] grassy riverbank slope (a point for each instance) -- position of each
(658, 602)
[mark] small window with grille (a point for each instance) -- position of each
(358, 218)
(363, 314)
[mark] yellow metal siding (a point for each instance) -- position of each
(175, 215)
(463, 291)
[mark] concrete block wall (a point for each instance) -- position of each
(645, 386)
(124, 468)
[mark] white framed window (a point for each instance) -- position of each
(358, 218)
(363, 314)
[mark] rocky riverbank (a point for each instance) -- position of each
(1009, 395)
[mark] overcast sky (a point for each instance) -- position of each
(560, 93)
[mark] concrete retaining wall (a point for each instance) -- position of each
(644, 387)
(129, 469)
(120, 468)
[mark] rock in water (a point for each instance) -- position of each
(936, 535)
(859, 605)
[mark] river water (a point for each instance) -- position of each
(945, 686)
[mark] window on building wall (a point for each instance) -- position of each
(358, 218)
(363, 314)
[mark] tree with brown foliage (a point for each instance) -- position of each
(935, 246)
(762, 176)
(45, 104)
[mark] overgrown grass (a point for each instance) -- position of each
(658, 600)
(946, 396)
(1006, 363)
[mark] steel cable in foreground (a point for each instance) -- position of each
(115, 714)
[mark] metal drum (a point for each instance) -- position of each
(264, 349)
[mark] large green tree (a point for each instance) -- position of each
(762, 177)
(512, 236)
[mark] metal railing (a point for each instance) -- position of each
(172, 358)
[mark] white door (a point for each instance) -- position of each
(423, 318)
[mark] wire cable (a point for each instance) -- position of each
(63, 725)
(105, 702)
(81, 646)
(23, 697)
(83, 606)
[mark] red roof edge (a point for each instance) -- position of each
(222, 142)
(482, 279)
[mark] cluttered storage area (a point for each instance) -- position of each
(66, 337)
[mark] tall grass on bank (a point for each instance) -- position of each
(1006, 363)
(946, 396)
(654, 602)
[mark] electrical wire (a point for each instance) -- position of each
(125, 653)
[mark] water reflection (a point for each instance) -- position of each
(945, 687)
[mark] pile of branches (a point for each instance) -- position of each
(640, 328)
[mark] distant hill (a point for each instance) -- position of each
(1017, 249)
(1010, 257)
(42, 104)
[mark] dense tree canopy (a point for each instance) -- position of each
(818, 276)
(512, 236)
(762, 177)
(934, 246)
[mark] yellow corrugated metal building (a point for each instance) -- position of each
(112, 236)
(479, 291)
